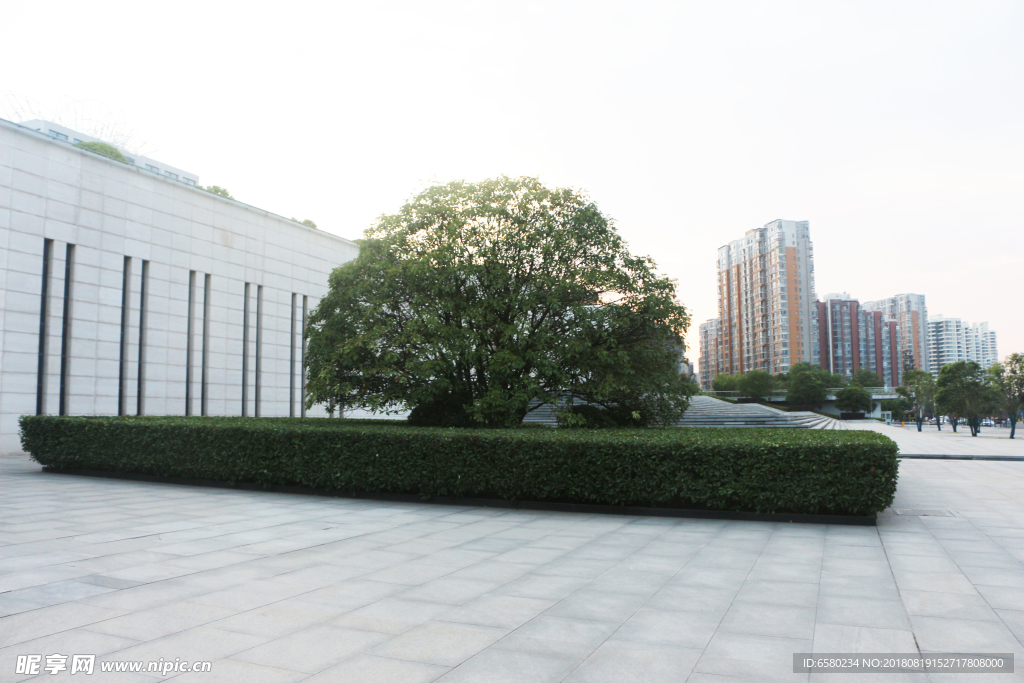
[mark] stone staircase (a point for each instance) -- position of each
(706, 411)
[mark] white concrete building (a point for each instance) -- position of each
(951, 340)
(125, 291)
(946, 342)
(980, 345)
(59, 132)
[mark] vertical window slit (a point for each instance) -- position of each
(188, 341)
(245, 352)
(44, 327)
(122, 366)
(206, 345)
(140, 407)
(291, 360)
(259, 348)
(65, 335)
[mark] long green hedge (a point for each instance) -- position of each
(752, 470)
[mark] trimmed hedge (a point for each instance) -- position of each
(744, 470)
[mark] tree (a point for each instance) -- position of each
(104, 149)
(962, 390)
(866, 378)
(308, 223)
(1007, 381)
(806, 389)
(726, 383)
(919, 390)
(476, 302)
(853, 399)
(899, 407)
(756, 384)
(217, 190)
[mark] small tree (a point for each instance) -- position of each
(806, 389)
(104, 149)
(899, 407)
(726, 383)
(919, 390)
(756, 384)
(962, 389)
(853, 399)
(217, 190)
(867, 378)
(1007, 380)
(308, 223)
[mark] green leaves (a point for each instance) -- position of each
(477, 301)
(759, 470)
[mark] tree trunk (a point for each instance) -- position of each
(1013, 425)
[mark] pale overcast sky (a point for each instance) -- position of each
(895, 128)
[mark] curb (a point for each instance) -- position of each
(847, 520)
(1008, 458)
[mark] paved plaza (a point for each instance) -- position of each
(277, 587)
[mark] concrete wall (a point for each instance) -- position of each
(50, 190)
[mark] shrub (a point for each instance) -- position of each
(757, 470)
(104, 149)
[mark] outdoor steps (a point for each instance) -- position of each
(705, 411)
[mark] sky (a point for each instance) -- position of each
(896, 128)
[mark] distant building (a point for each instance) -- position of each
(911, 314)
(951, 340)
(59, 132)
(710, 359)
(980, 345)
(946, 342)
(766, 300)
(851, 338)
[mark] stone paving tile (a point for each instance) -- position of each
(278, 587)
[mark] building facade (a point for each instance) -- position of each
(980, 345)
(911, 314)
(710, 359)
(946, 342)
(59, 132)
(951, 340)
(851, 338)
(126, 291)
(766, 303)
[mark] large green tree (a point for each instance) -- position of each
(919, 390)
(476, 301)
(1007, 381)
(756, 384)
(853, 399)
(806, 389)
(962, 390)
(866, 378)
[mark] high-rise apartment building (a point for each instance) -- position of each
(710, 358)
(766, 303)
(851, 338)
(911, 315)
(946, 342)
(980, 344)
(951, 340)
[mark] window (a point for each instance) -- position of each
(171, 175)
(59, 136)
(189, 181)
(151, 167)
(77, 141)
